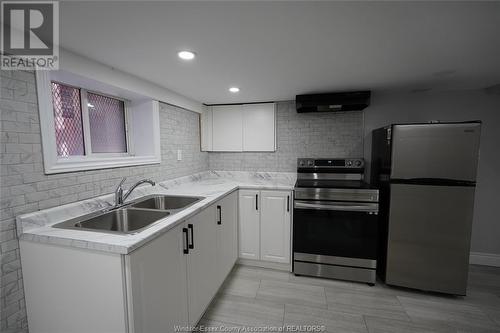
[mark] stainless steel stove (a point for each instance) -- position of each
(335, 222)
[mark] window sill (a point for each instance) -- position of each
(89, 163)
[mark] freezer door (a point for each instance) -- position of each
(429, 237)
(447, 151)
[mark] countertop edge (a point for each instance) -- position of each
(32, 235)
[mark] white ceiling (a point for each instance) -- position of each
(275, 50)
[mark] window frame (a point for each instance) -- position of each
(87, 139)
(53, 163)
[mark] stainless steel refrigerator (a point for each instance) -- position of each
(427, 178)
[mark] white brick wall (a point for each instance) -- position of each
(25, 188)
(300, 135)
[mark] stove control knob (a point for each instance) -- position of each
(301, 163)
(310, 163)
(349, 163)
(357, 163)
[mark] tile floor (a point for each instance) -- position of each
(260, 297)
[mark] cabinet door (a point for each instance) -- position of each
(249, 220)
(206, 129)
(227, 128)
(157, 289)
(201, 263)
(227, 234)
(275, 226)
(259, 127)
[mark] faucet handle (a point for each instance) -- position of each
(122, 181)
(119, 192)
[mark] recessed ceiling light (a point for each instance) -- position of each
(186, 55)
(234, 89)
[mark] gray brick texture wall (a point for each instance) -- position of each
(25, 188)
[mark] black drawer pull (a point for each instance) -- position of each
(220, 215)
(186, 249)
(287, 203)
(256, 202)
(191, 246)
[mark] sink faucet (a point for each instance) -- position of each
(120, 197)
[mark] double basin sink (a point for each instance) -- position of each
(131, 217)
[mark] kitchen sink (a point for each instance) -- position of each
(165, 202)
(132, 217)
(124, 220)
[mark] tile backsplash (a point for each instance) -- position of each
(331, 134)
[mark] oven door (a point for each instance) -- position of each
(335, 229)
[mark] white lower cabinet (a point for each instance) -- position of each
(173, 278)
(264, 225)
(227, 235)
(158, 283)
(75, 290)
(175, 288)
(201, 263)
(275, 226)
(168, 282)
(249, 225)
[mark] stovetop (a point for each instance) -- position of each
(332, 175)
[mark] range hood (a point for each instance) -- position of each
(331, 102)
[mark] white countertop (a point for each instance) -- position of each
(213, 185)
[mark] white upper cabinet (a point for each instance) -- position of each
(259, 127)
(227, 128)
(206, 129)
(247, 127)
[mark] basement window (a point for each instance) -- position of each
(89, 125)
(95, 126)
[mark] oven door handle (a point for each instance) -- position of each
(346, 207)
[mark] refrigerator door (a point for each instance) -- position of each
(429, 237)
(435, 151)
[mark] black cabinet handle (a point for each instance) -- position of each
(256, 202)
(220, 215)
(287, 203)
(191, 246)
(186, 249)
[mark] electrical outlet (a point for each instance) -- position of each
(179, 155)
